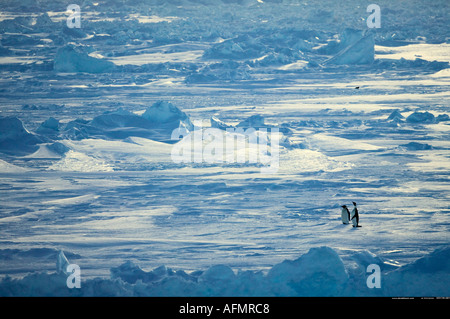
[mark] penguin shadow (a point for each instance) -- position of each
(348, 227)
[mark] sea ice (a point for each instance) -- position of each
(73, 58)
(319, 272)
(15, 138)
(359, 52)
(421, 117)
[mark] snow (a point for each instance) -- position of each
(303, 160)
(90, 120)
(425, 51)
(333, 144)
(158, 57)
(298, 65)
(18, 60)
(49, 151)
(79, 162)
(7, 167)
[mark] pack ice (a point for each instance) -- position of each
(87, 117)
(319, 272)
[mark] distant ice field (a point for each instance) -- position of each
(86, 117)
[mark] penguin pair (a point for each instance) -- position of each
(347, 217)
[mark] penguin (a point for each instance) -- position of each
(355, 216)
(345, 215)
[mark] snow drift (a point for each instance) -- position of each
(10, 168)
(54, 150)
(319, 272)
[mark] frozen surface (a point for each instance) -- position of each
(319, 272)
(72, 58)
(86, 165)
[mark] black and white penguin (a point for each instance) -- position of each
(345, 215)
(355, 216)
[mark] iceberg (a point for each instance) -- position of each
(443, 118)
(19, 24)
(356, 50)
(156, 123)
(44, 22)
(49, 128)
(365, 258)
(414, 146)
(78, 129)
(130, 273)
(396, 117)
(346, 39)
(73, 58)
(62, 263)
(15, 139)
(427, 276)
(118, 125)
(320, 272)
(165, 113)
(228, 70)
(216, 123)
(255, 121)
(241, 47)
(50, 124)
(421, 117)
(218, 274)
